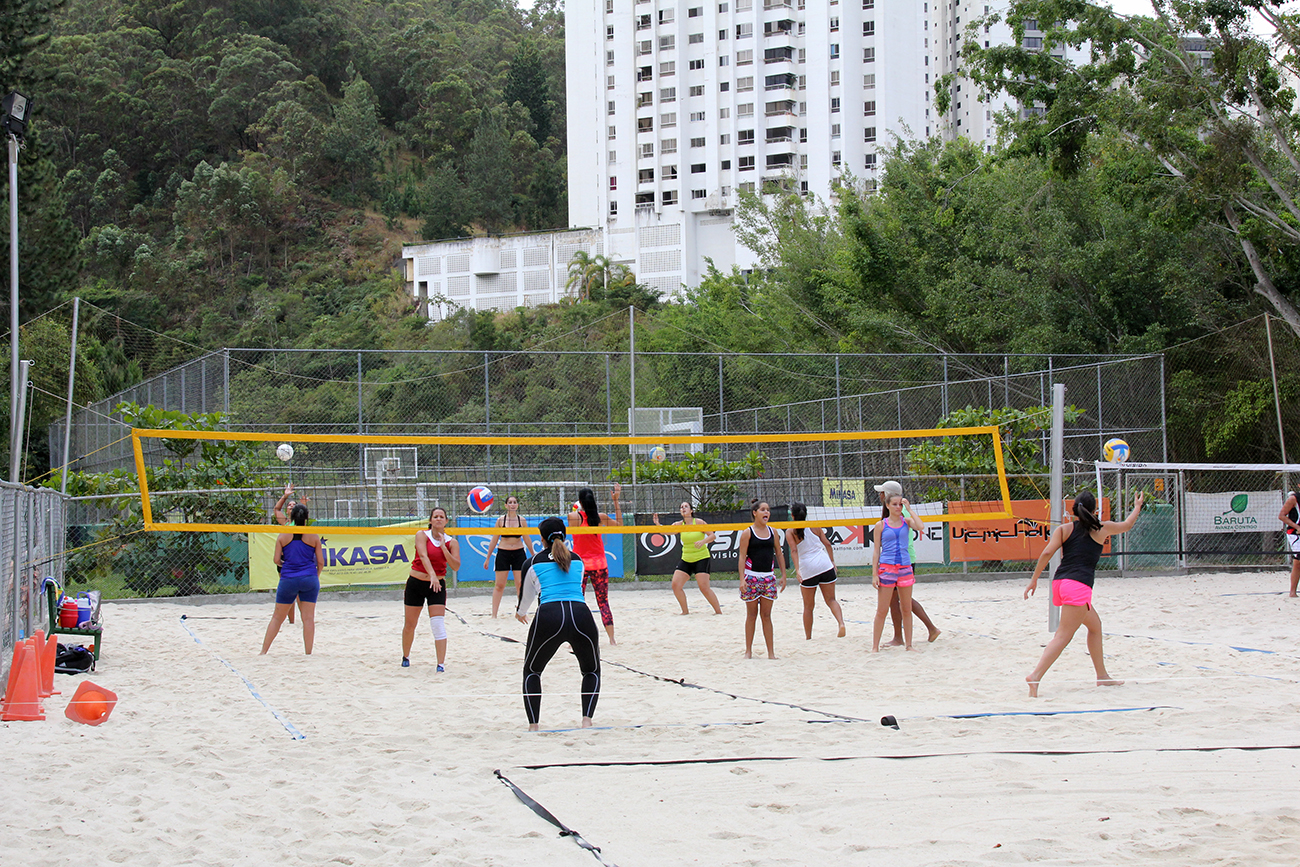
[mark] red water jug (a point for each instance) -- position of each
(68, 612)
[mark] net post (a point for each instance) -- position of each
(1057, 493)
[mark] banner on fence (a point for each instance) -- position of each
(852, 544)
(659, 553)
(846, 493)
(1020, 538)
(348, 559)
(474, 548)
(1234, 512)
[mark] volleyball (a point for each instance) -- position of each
(658, 454)
(284, 452)
(1115, 451)
(479, 498)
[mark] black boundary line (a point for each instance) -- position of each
(682, 682)
(565, 830)
(734, 759)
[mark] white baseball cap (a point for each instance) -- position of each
(892, 488)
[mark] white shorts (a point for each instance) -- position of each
(1293, 539)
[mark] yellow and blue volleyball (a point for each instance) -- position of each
(1115, 450)
(479, 499)
(658, 454)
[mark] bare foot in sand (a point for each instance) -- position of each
(1109, 681)
(586, 722)
(909, 647)
(533, 727)
(935, 632)
(1033, 686)
(748, 655)
(771, 656)
(843, 631)
(897, 642)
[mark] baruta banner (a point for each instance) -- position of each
(658, 553)
(1234, 512)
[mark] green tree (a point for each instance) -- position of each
(526, 84)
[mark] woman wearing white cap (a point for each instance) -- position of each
(894, 489)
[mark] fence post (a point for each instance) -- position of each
(722, 415)
(487, 408)
(1057, 493)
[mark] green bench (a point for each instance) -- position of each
(52, 598)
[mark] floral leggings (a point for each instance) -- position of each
(599, 579)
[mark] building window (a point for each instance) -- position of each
(645, 199)
(745, 109)
(668, 119)
(835, 24)
(726, 165)
(666, 16)
(724, 113)
(694, 38)
(724, 86)
(645, 46)
(836, 158)
(746, 187)
(696, 168)
(647, 150)
(746, 164)
(835, 104)
(869, 56)
(725, 138)
(697, 115)
(645, 176)
(668, 67)
(835, 51)
(869, 108)
(869, 80)
(613, 156)
(803, 135)
(697, 64)
(612, 105)
(667, 43)
(613, 209)
(868, 4)
(835, 130)
(722, 8)
(1033, 43)
(868, 28)
(609, 7)
(609, 58)
(871, 161)
(869, 134)
(613, 182)
(644, 99)
(724, 59)
(609, 82)
(609, 31)
(745, 84)
(744, 5)
(645, 124)
(643, 22)
(835, 78)
(744, 31)
(699, 194)
(667, 94)
(668, 146)
(697, 142)
(745, 136)
(722, 35)
(613, 133)
(669, 173)
(670, 197)
(695, 12)
(645, 73)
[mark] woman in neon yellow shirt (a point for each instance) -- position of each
(696, 558)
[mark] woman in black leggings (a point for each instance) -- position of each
(554, 576)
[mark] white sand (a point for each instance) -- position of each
(396, 766)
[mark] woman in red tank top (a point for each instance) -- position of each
(435, 552)
(590, 548)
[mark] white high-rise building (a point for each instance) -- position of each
(675, 105)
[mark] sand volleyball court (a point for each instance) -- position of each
(215, 755)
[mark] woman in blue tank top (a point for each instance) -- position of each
(891, 567)
(301, 559)
(1080, 543)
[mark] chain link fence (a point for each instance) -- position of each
(32, 534)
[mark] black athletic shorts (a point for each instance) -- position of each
(420, 593)
(705, 565)
(827, 577)
(507, 559)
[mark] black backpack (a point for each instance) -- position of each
(74, 660)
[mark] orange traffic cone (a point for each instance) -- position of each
(90, 704)
(23, 697)
(47, 651)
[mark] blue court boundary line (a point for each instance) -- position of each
(297, 735)
(1043, 712)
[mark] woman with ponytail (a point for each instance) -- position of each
(554, 577)
(426, 585)
(301, 559)
(591, 548)
(1080, 543)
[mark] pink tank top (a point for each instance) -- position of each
(590, 548)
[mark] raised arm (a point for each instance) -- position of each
(1115, 527)
(279, 505)
(618, 507)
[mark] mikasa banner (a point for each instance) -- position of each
(1234, 512)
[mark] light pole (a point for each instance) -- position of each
(14, 109)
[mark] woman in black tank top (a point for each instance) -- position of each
(1081, 545)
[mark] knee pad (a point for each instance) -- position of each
(438, 627)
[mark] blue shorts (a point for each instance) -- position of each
(304, 589)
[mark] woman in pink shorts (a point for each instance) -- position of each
(759, 550)
(891, 567)
(1080, 543)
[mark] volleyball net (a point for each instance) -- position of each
(230, 481)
